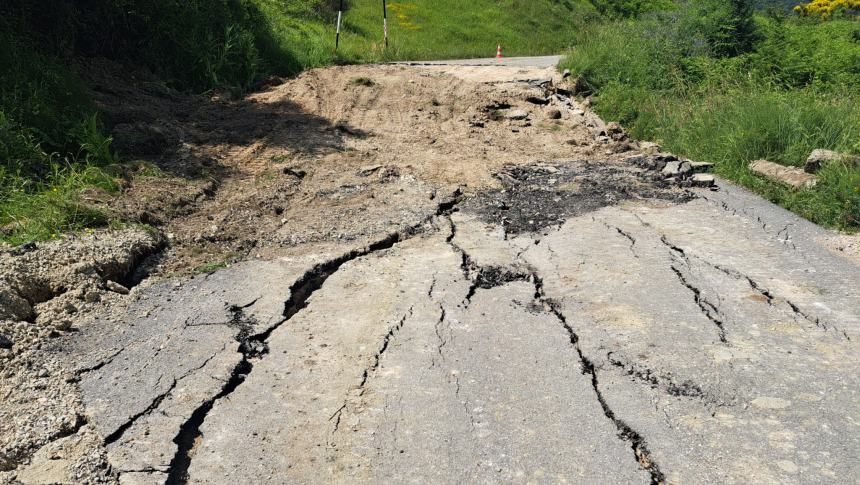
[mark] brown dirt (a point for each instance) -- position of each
(283, 167)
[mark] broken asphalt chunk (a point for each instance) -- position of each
(116, 287)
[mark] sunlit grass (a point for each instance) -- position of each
(795, 92)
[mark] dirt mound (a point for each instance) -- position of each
(323, 158)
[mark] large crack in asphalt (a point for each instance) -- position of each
(625, 432)
(772, 300)
(491, 277)
(369, 371)
(665, 382)
(255, 347)
(708, 309)
(782, 235)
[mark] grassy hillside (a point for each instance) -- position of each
(426, 29)
(730, 87)
(52, 145)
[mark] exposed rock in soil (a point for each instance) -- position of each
(792, 176)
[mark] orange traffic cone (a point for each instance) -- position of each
(499, 52)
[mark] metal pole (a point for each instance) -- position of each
(385, 23)
(337, 36)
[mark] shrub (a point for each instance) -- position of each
(715, 27)
(829, 8)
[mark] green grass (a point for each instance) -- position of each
(424, 29)
(793, 91)
(211, 267)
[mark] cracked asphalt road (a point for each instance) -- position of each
(709, 338)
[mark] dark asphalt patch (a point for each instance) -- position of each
(541, 195)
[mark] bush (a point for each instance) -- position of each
(830, 8)
(716, 27)
(791, 90)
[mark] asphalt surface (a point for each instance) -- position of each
(538, 61)
(706, 340)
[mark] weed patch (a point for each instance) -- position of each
(363, 81)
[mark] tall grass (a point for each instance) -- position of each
(792, 92)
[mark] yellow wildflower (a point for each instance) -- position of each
(827, 8)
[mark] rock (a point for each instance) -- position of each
(116, 287)
(671, 168)
(676, 168)
(5, 343)
(579, 86)
(792, 176)
(703, 180)
(821, 157)
(540, 82)
(565, 74)
(648, 147)
(554, 114)
(537, 100)
(23, 249)
(621, 147)
(701, 167)
(613, 128)
(368, 169)
(516, 114)
(294, 172)
(13, 307)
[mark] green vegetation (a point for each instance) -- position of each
(52, 147)
(363, 81)
(211, 267)
(439, 29)
(713, 81)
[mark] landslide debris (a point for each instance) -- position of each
(45, 289)
(536, 196)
